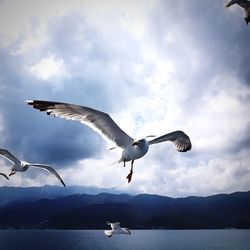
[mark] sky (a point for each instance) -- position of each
(155, 66)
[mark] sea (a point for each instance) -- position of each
(231, 239)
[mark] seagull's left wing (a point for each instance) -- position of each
(6, 154)
(50, 170)
(99, 121)
(179, 138)
(5, 176)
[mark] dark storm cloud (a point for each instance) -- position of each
(72, 39)
(28, 133)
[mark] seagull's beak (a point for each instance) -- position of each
(135, 143)
(150, 136)
(226, 5)
(112, 148)
(12, 172)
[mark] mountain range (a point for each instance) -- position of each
(143, 211)
(13, 194)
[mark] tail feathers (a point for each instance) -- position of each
(116, 162)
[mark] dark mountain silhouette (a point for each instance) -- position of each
(13, 194)
(85, 211)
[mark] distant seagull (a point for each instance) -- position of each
(116, 229)
(104, 125)
(244, 5)
(5, 176)
(21, 166)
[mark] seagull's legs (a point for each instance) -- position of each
(12, 172)
(129, 177)
(124, 164)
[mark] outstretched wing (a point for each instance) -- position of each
(99, 121)
(5, 176)
(50, 170)
(6, 154)
(179, 138)
(116, 226)
(241, 3)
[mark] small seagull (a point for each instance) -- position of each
(21, 166)
(103, 124)
(5, 176)
(244, 5)
(116, 229)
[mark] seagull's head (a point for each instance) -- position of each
(139, 142)
(24, 164)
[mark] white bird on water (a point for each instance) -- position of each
(116, 229)
(103, 124)
(21, 166)
(4, 175)
(244, 5)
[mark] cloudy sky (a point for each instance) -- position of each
(155, 66)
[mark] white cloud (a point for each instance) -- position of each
(50, 69)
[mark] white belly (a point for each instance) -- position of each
(134, 152)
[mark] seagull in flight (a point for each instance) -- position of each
(21, 166)
(244, 5)
(4, 175)
(103, 124)
(116, 229)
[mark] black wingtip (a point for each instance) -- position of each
(4, 175)
(63, 183)
(29, 102)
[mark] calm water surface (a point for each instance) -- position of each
(139, 240)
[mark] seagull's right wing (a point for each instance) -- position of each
(6, 154)
(179, 138)
(97, 120)
(116, 226)
(50, 170)
(5, 176)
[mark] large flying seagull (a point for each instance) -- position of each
(103, 124)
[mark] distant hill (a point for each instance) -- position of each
(86, 211)
(13, 194)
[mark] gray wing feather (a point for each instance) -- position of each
(179, 138)
(115, 225)
(99, 121)
(50, 170)
(6, 154)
